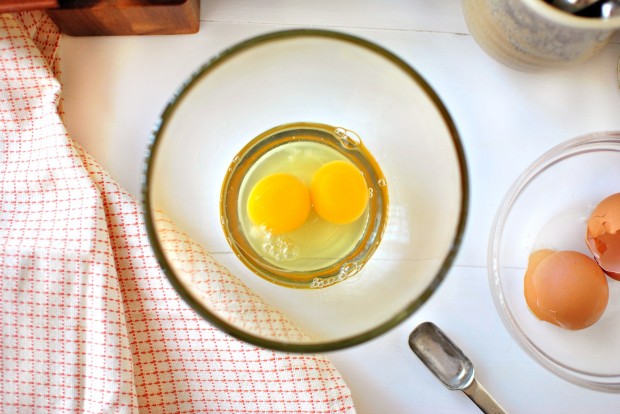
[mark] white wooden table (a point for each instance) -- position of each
(114, 89)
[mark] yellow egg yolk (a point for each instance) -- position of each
(339, 192)
(280, 202)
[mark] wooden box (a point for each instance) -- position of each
(127, 17)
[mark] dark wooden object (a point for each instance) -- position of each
(116, 17)
(10, 6)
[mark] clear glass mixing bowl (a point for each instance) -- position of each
(312, 76)
(548, 208)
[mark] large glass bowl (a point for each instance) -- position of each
(311, 76)
(548, 208)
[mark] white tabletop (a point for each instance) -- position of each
(115, 88)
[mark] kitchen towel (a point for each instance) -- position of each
(89, 322)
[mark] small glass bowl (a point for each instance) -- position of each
(320, 77)
(548, 207)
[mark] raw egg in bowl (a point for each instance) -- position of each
(306, 190)
(551, 239)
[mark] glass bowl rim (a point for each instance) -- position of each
(157, 135)
(587, 143)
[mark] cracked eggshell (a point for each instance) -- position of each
(603, 235)
(565, 288)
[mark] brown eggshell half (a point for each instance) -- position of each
(565, 288)
(603, 235)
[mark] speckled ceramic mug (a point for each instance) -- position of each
(531, 34)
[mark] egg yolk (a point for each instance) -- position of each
(565, 288)
(280, 202)
(339, 192)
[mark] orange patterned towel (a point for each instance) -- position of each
(89, 322)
